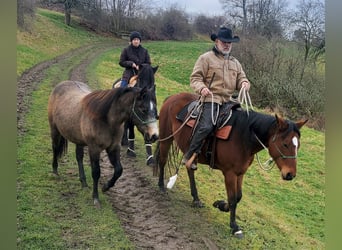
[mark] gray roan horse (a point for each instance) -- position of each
(96, 119)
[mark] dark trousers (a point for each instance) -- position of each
(204, 127)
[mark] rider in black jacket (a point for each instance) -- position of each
(133, 56)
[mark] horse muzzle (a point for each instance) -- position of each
(152, 133)
(288, 176)
(151, 138)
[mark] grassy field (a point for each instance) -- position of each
(57, 214)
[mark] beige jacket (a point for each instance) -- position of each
(229, 76)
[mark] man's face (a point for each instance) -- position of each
(224, 47)
(136, 42)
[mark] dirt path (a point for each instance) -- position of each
(142, 209)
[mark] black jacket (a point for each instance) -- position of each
(130, 55)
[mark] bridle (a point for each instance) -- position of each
(141, 120)
(272, 160)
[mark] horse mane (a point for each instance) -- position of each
(260, 124)
(98, 102)
(145, 76)
(252, 123)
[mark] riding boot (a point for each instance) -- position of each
(130, 149)
(203, 129)
(194, 149)
(149, 160)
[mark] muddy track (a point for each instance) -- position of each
(144, 212)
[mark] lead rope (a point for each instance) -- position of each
(245, 100)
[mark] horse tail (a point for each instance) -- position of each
(61, 147)
(157, 157)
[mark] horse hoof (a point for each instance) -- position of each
(131, 154)
(197, 204)
(221, 205)
(150, 162)
(105, 188)
(238, 234)
(97, 203)
(84, 185)
(163, 190)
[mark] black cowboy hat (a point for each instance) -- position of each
(225, 35)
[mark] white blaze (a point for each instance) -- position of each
(295, 143)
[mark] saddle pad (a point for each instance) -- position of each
(131, 83)
(186, 110)
(222, 133)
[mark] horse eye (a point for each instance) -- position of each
(285, 145)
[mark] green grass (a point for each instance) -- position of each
(177, 66)
(50, 37)
(55, 213)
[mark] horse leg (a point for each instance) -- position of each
(196, 201)
(162, 154)
(150, 159)
(124, 139)
(79, 158)
(114, 157)
(95, 173)
(231, 182)
(131, 137)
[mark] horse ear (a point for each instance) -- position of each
(282, 124)
(155, 69)
(300, 124)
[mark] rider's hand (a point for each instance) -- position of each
(205, 91)
(135, 66)
(245, 85)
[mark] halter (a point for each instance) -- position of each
(283, 156)
(139, 118)
(272, 160)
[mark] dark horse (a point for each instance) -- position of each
(144, 78)
(95, 119)
(250, 133)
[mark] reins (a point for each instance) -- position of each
(245, 100)
(181, 126)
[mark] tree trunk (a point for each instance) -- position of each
(67, 6)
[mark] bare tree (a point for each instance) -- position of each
(68, 4)
(207, 25)
(257, 16)
(25, 13)
(175, 24)
(237, 9)
(310, 32)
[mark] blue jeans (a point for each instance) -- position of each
(124, 83)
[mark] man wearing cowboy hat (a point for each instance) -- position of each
(215, 77)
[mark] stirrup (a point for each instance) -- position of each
(189, 163)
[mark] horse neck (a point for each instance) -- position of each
(261, 127)
(121, 109)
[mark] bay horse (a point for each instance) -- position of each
(250, 133)
(96, 119)
(143, 78)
